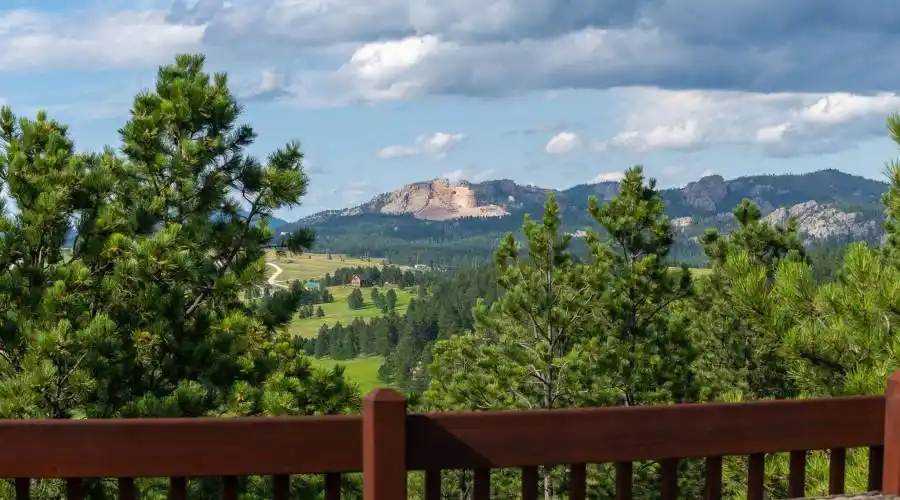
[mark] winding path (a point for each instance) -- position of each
(275, 275)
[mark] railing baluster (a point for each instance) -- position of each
(577, 482)
(177, 488)
(623, 480)
(797, 474)
(23, 488)
(229, 488)
(126, 489)
(836, 473)
(756, 476)
(333, 486)
(669, 475)
(482, 485)
(529, 483)
(433, 484)
(876, 467)
(281, 487)
(713, 490)
(75, 488)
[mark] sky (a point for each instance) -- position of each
(547, 92)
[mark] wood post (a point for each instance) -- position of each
(384, 445)
(891, 467)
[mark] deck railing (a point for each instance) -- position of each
(386, 442)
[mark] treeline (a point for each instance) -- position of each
(372, 276)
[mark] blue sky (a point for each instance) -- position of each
(549, 92)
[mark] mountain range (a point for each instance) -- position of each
(454, 220)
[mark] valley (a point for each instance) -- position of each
(311, 269)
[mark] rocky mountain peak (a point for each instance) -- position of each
(438, 199)
(706, 192)
(821, 221)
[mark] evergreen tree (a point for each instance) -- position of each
(519, 355)
(355, 299)
(145, 315)
(390, 300)
(641, 355)
(320, 313)
(377, 298)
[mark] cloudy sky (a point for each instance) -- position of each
(549, 92)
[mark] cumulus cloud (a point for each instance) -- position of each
(30, 40)
(395, 49)
(762, 46)
(562, 142)
(782, 124)
(436, 145)
(398, 152)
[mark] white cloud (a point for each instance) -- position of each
(31, 40)
(562, 142)
(462, 174)
(436, 145)
(781, 123)
(608, 177)
(397, 152)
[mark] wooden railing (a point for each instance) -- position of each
(386, 442)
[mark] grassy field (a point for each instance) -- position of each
(340, 311)
(361, 371)
(313, 265)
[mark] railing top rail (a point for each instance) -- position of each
(298, 445)
(594, 435)
(180, 446)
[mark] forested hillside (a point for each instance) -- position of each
(832, 208)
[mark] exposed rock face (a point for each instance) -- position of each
(706, 193)
(437, 200)
(817, 221)
(681, 222)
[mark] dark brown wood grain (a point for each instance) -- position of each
(179, 447)
(578, 482)
(229, 488)
(836, 471)
(23, 489)
(529, 483)
(797, 474)
(515, 439)
(281, 487)
(668, 479)
(433, 485)
(177, 488)
(75, 488)
(624, 480)
(713, 483)
(756, 476)
(481, 487)
(126, 489)
(876, 468)
(333, 486)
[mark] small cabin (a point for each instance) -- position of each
(356, 281)
(313, 285)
